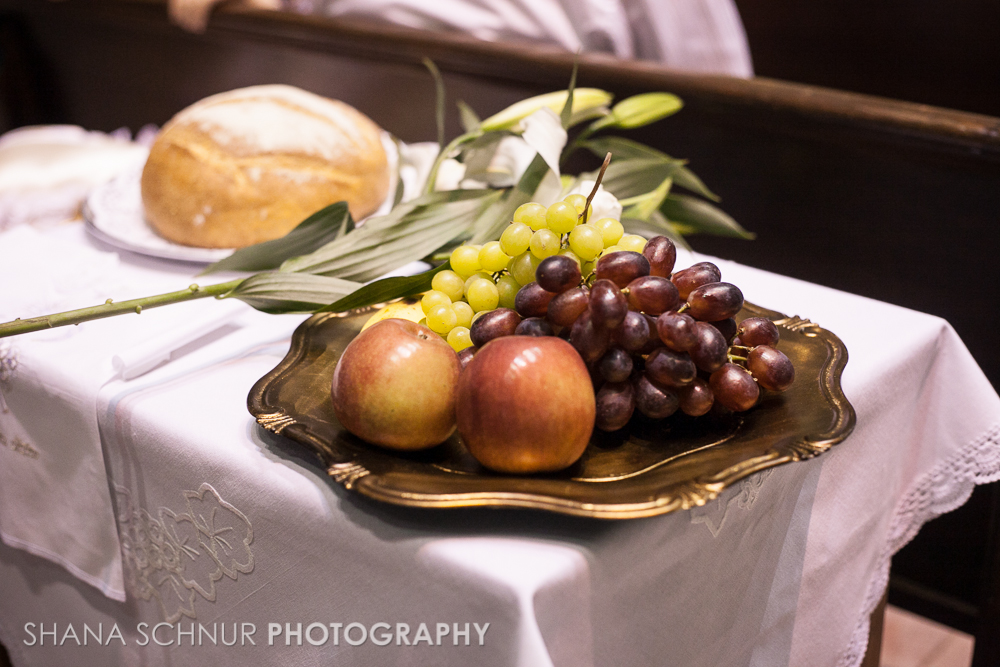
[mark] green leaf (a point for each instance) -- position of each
(700, 216)
(469, 118)
(687, 179)
(643, 206)
(638, 176)
(439, 110)
(386, 289)
(656, 225)
(639, 110)
(622, 148)
(567, 110)
(277, 292)
(320, 228)
(410, 232)
(627, 149)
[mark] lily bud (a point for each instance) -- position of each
(583, 99)
(640, 110)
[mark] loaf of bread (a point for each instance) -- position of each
(249, 165)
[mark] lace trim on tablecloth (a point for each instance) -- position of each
(945, 488)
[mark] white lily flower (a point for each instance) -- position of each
(450, 175)
(544, 132)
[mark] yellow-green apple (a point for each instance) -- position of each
(395, 386)
(526, 404)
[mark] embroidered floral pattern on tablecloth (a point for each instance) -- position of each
(176, 557)
(713, 514)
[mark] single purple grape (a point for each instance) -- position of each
(662, 254)
(558, 273)
(532, 300)
(621, 267)
(734, 387)
(696, 275)
(533, 326)
(772, 369)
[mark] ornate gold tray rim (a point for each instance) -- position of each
(693, 493)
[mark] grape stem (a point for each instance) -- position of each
(597, 184)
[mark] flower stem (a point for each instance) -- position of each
(110, 309)
(443, 155)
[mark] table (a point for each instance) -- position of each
(157, 499)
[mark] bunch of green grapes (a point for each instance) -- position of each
(483, 278)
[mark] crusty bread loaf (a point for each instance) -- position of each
(248, 165)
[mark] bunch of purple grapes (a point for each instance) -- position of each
(655, 341)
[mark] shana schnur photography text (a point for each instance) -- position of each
(275, 634)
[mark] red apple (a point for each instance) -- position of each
(395, 386)
(526, 404)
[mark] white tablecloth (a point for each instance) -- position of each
(202, 519)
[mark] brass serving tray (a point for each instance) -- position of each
(645, 469)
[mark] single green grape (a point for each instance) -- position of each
(544, 243)
(610, 229)
(449, 283)
(483, 295)
(465, 260)
(515, 239)
(441, 319)
(572, 255)
(464, 313)
(492, 257)
(523, 268)
(579, 202)
(507, 288)
(434, 298)
(531, 214)
(561, 217)
(610, 249)
(586, 269)
(478, 275)
(632, 242)
(586, 241)
(459, 338)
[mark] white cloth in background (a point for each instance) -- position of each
(704, 36)
(47, 172)
(222, 522)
